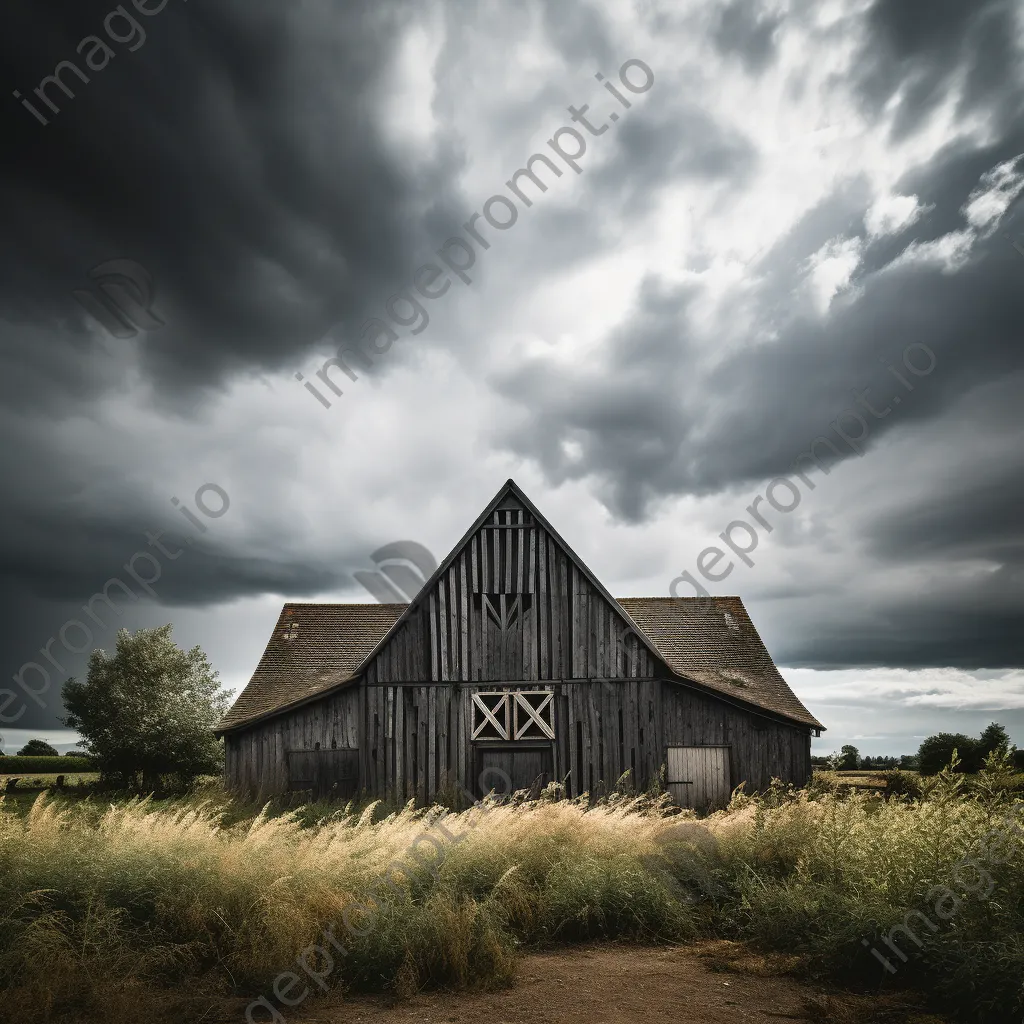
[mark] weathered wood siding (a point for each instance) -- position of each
(512, 609)
(416, 739)
(513, 605)
(515, 611)
(418, 736)
(760, 748)
(255, 759)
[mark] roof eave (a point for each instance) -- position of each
(263, 716)
(746, 705)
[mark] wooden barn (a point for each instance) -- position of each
(514, 658)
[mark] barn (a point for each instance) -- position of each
(513, 658)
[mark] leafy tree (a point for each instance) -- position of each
(849, 758)
(909, 762)
(867, 763)
(38, 748)
(937, 751)
(148, 710)
(994, 738)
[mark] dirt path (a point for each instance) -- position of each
(713, 983)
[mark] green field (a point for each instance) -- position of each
(30, 786)
(37, 781)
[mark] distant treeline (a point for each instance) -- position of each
(933, 755)
(67, 765)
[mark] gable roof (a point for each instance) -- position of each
(329, 644)
(720, 651)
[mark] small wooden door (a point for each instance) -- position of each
(698, 777)
(528, 767)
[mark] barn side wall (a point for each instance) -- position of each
(759, 748)
(255, 760)
(419, 738)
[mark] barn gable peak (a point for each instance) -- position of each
(509, 551)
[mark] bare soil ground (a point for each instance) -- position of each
(709, 983)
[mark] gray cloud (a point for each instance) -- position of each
(282, 170)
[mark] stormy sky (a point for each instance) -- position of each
(794, 202)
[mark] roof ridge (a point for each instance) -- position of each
(681, 597)
(345, 604)
(403, 604)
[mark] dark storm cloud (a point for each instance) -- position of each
(236, 152)
(656, 420)
(236, 155)
(748, 33)
(657, 414)
(667, 143)
(925, 46)
(949, 629)
(117, 564)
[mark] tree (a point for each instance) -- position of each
(148, 710)
(867, 764)
(38, 748)
(994, 737)
(937, 751)
(849, 759)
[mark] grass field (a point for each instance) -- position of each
(858, 779)
(30, 786)
(33, 781)
(128, 910)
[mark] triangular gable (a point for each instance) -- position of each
(509, 499)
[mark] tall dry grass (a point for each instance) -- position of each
(99, 906)
(132, 911)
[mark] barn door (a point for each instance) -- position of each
(529, 768)
(698, 777)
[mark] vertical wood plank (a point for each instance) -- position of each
(464, 656)
(399, 743)
(434, 645)
(432, 730)
(442, 631)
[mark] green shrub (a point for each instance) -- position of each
(902, 783)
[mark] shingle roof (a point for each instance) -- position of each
(720, 649)
(316, 647)
(329, 643)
